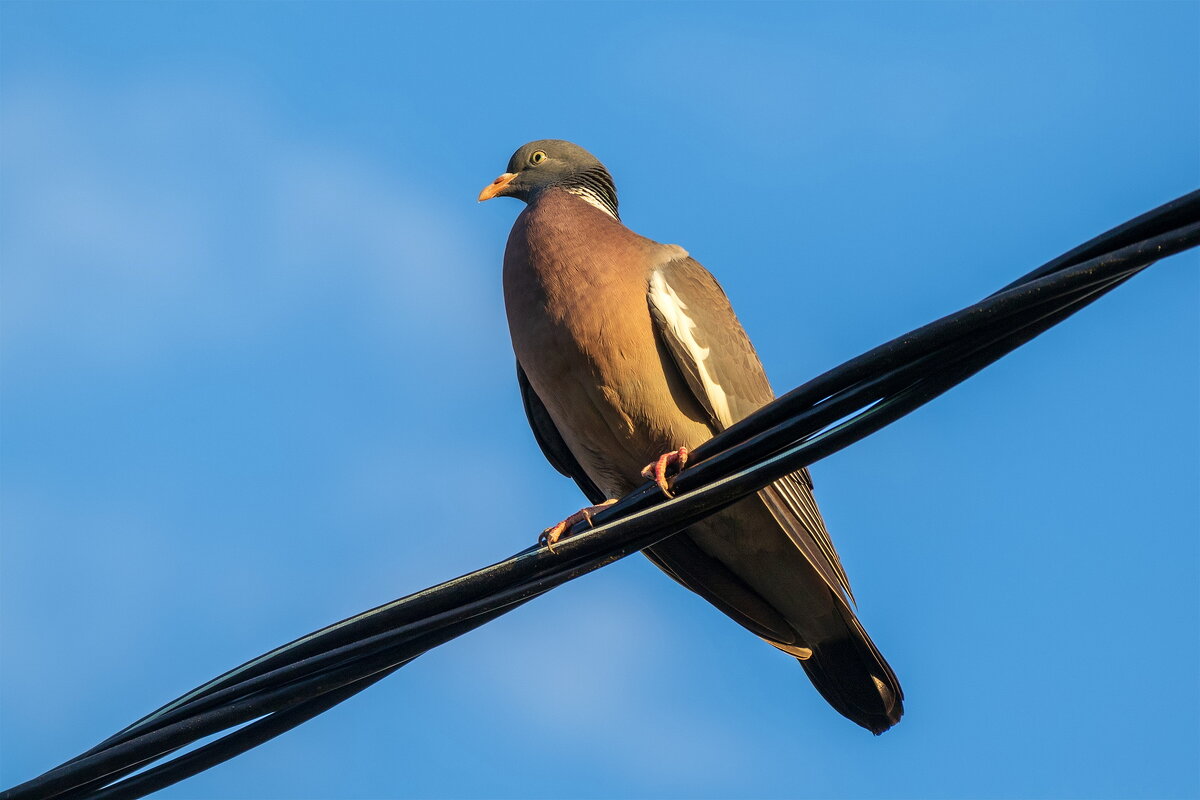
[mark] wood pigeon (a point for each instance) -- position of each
(627, 350)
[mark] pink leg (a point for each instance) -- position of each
(674, 460)
(551, 535)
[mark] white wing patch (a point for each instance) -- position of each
(674, 313)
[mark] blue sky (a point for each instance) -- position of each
(256, 378)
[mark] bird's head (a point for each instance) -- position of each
(554, 163)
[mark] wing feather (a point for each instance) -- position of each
(710, 349)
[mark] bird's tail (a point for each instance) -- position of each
(852, 675)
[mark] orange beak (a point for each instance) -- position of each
(497, 186)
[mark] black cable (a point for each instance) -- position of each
(262, 665)
(290, 684)
(228, 746)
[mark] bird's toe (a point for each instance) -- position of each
(668, 465)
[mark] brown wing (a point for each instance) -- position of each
(697, 325)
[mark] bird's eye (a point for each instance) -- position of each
(537, 157)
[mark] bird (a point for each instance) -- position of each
(628, 355)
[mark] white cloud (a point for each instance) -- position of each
(176, 212)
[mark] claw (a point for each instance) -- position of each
(551, 535)
(657, 471)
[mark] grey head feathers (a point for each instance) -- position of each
(555, 163)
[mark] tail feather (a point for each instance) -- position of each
(852, 675)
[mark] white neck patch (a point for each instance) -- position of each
(591, 198)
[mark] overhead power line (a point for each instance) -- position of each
(293, 683)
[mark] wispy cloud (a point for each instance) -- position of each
(168, 212)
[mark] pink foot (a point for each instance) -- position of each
(674, 460)
(551, 535)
